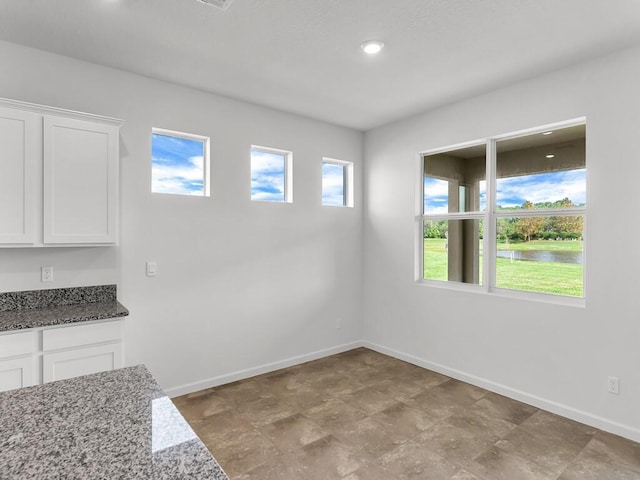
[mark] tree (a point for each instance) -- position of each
(435, 229)
(506, 228)
(529, 226)
(567, 226)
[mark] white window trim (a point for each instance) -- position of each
(348, 181)
(288, 172)
(206, 161)
(489, 218)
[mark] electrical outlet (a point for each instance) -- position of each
(46, 274)
(338, 323)
(613, 385)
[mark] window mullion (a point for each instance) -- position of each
(454, 216)
(419, 211)
(419, 274)
(490, 237)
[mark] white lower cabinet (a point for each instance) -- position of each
(81, 361)
(17, 373)
(56, 353)
(17, 360)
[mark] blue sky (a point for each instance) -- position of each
(332, 184)
(177, 168)
(514, 191)
(177, 165)
(267, 176)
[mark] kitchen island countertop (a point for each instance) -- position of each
(116, 424)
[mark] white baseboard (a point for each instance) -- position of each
(539, 402)
(259, 370)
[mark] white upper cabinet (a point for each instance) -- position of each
(18, 175)
(80, 181)
(58, 177)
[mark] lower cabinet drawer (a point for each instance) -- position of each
(81, 361)
(17, 344)
(79, 335)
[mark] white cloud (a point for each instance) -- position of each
(435, 187)
(550, 187)
(267, 176)
(332, 184)
(436, 193)
(167, 176)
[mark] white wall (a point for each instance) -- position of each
(554, 356)
(241, 285)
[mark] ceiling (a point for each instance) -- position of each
(304, 56)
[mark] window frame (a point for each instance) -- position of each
(347, 185)
(288, 173)
(206, 161)
(490, 217)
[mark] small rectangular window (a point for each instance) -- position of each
(271, 175)
(179, 163)
(337, 183)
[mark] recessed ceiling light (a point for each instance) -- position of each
(372, 47)
(547, 133)
(551, 155)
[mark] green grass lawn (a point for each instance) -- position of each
(545, 277)
(435, 259)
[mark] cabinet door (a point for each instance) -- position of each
(18, 176)
(17, 373)
(81, 361)
(80, 181)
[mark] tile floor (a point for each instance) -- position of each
(361, 415)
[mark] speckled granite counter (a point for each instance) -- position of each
(116, 424)
(43, 308)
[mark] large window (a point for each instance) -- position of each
(271, 175)
(179, 163)
(507, 214)
(337, 183)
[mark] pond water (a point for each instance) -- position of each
(542, 256)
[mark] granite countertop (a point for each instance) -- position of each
(116, 424)
(43, 308)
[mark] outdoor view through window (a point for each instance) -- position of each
(535, 220)
(333, 183)
(179, 163)
(269, 175)
(337, 183)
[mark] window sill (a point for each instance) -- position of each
(506, 293)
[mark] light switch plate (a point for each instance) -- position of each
(613, 385)
(152, 268)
